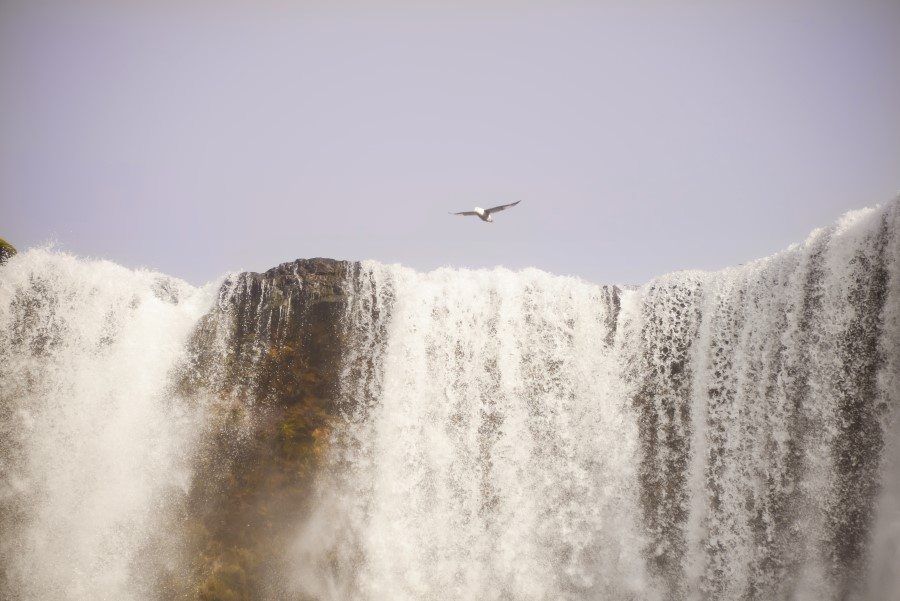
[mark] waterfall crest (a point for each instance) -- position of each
(715, 435)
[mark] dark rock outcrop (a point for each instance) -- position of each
(266, 360)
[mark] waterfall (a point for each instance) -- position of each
(493, 457)
(340, 431)
(715, 435)
(93, 441)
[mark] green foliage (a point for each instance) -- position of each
(6, 249)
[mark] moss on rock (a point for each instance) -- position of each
(6, 250)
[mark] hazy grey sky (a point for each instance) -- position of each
(642, 137)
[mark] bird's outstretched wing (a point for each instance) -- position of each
(501, 207)
(465, 213)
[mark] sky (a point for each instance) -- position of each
(644, 137)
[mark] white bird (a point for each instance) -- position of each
(487, 214)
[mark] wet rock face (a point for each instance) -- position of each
(265, 362)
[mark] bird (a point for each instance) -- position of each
(486, 215)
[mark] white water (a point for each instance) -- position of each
(93, 444)
(508, 436)
(719, 436)
(496, 457)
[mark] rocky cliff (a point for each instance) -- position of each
(268, 356)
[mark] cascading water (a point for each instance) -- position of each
(340, 431)
(93, 443)
(491, 455)
(706, 436)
